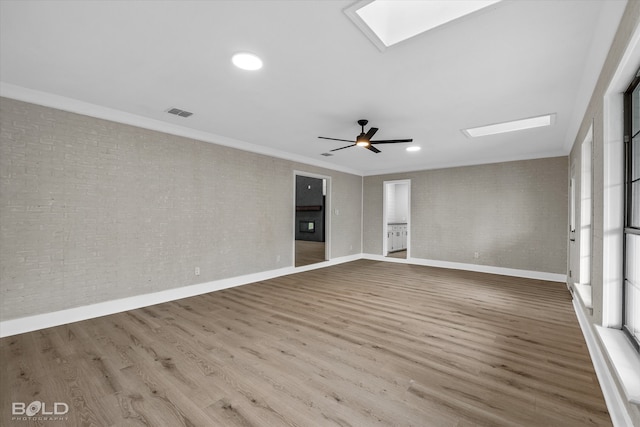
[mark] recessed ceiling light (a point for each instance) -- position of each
(393, 21)
(532, 122)
(247, 61)
(413, 148)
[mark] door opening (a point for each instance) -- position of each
(396, 219)
(311, 220)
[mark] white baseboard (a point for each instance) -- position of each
(612, 397)
(76, 314)
(539, 275)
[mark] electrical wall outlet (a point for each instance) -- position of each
(476, 255)
(197, 272)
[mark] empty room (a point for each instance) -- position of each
(320, 213)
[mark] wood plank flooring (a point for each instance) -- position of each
(365, 343)
(308, 252)
(398, 254)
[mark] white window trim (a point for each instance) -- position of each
(583, 286)
(614, 344)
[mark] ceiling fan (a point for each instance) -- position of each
(364, 139)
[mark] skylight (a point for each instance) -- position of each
(393, 21)
(529, 123)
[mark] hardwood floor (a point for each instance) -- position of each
(398, 254)
(309, 252)
(359, 344)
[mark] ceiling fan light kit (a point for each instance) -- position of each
(364, 139)
(361, 141)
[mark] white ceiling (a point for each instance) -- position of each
(131, 61)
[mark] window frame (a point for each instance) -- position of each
(628, 199)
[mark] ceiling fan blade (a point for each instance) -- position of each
(391, 141)
(372, 148)
(336, 139)
(342, 148)
(370, 134)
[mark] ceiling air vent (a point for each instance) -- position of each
(179, 112)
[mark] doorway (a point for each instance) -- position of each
(396, 219)
(311, 220)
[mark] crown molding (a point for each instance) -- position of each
(71, 105)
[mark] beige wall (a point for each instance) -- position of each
(513, 214)
(92, 210)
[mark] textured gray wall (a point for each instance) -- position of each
(92, 210)
(513, 214)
